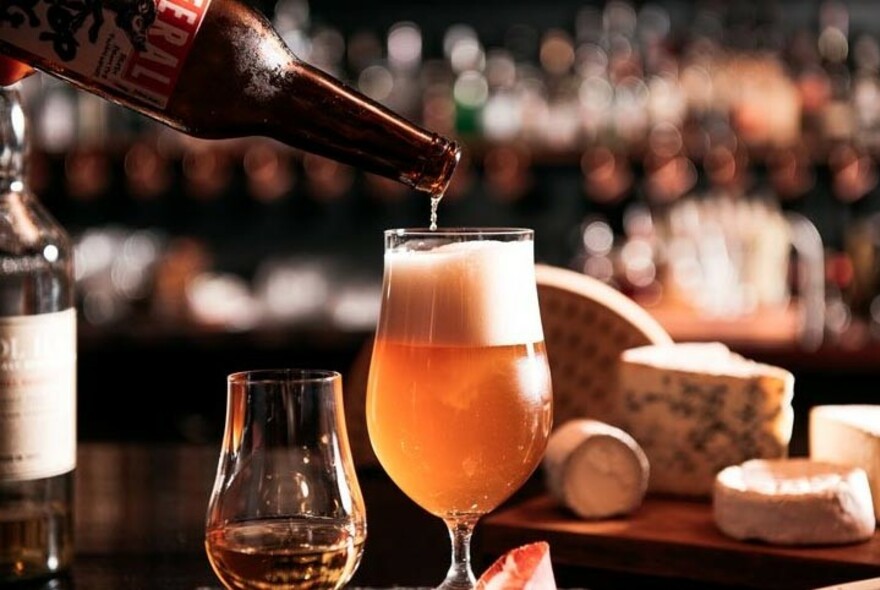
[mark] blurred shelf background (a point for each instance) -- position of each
(715, 161)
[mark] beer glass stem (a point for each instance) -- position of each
(460, 576)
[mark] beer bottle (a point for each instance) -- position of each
(217, 69)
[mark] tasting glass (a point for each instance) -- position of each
(459, 398)
(286, 510)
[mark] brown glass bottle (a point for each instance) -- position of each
(218, 69)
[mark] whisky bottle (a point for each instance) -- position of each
(218, 69)
(37, 369)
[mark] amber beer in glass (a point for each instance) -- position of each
(459, 399)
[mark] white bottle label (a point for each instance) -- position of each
(134, 46)
(37, 395)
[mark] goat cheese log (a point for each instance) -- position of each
(594, 469)
(696, 408)
(848, 434)
(793, 502)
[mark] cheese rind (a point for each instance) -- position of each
(696, 408)
(793, 502)
(595, 470)
(848, 434)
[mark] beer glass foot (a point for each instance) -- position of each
(460, 575)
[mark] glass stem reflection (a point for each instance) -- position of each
(460, 574)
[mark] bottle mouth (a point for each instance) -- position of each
(439, 167)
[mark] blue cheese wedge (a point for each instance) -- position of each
(848, 434)
(793, 502)
(696, 408)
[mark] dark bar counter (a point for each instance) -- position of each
(140, 513)
(147, 461)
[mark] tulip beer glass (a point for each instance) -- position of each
(459, 402)
(286, 511)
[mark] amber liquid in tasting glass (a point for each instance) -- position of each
(271, 553)
(459, 403)
(286, 510)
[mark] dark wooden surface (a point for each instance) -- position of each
(676, 538)
(140, 511)
(140, 514)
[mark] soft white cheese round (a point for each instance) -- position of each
(595, 470)
(848, 434)
(793, 502)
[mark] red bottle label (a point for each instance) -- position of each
(137, 47)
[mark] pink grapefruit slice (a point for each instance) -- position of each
(527, 567)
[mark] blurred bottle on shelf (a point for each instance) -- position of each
(627, 111)
(669, 173)
(269, 172)
(404, 49)
(608, 183)
(466, 56)
(38, 397)
(722, 255)
(218, 69)
(148, 180)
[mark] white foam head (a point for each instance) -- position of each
(479, 293)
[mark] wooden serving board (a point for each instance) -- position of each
(678, 539)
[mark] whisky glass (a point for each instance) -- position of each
(459, 397)
(286, 510)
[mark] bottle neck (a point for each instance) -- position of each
(13, 141)
(355, 130)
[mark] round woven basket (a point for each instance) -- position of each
(587, 324)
